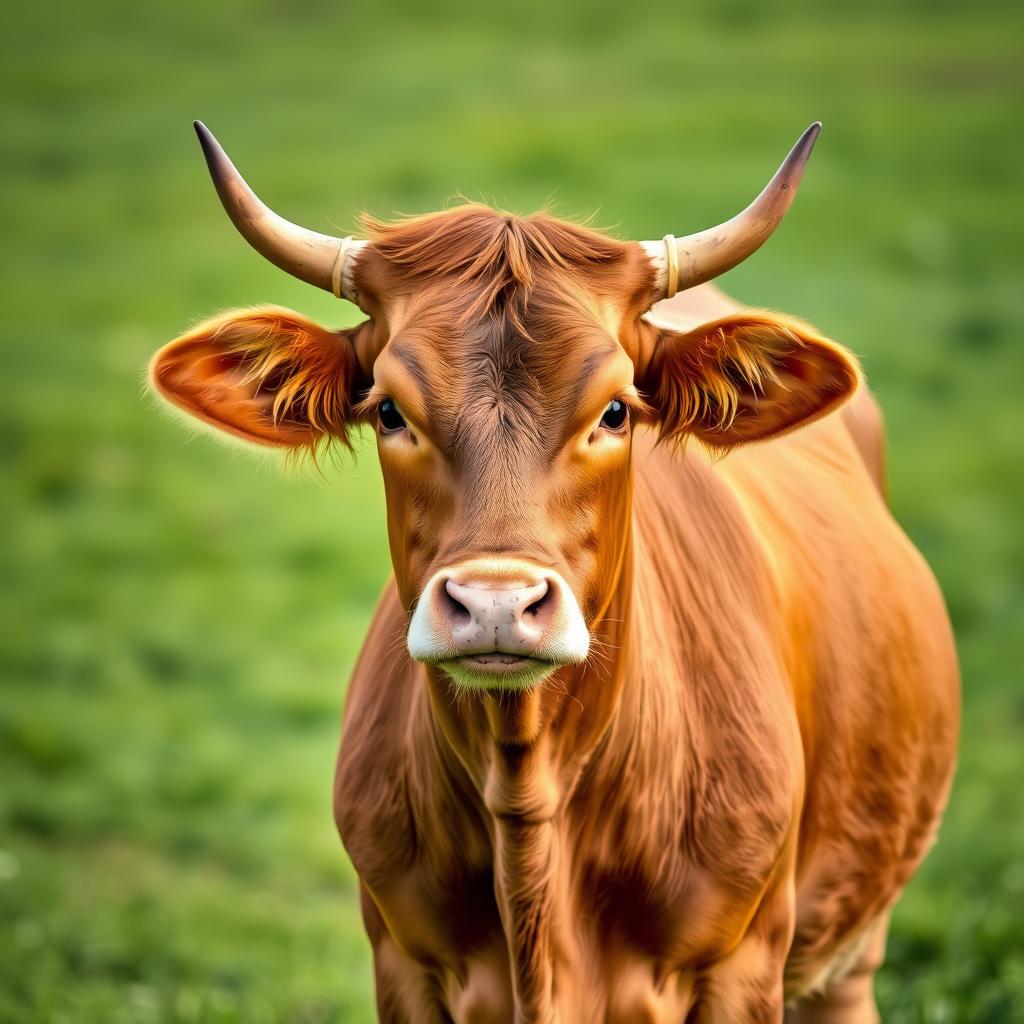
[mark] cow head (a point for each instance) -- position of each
(504, 367)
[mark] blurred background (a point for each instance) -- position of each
(178, 622)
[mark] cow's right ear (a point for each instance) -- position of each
(266, 375)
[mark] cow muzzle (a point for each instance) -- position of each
(498, 624)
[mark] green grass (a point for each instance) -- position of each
(178, 622)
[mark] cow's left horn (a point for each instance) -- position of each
(682, 263)
(320, 260)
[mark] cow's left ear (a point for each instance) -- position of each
(266, 375)
(745, 378)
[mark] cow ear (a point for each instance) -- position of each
(746, 378)
(265, 375)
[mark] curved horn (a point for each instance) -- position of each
(321, 260)
(685, 262)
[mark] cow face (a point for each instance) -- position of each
(506, 466)
(504, 424)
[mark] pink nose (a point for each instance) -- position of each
(501, 607)
(485, 617)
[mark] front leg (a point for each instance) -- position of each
(747, 984)
(406, 992)
(471, 986)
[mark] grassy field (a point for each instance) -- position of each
(178, 621)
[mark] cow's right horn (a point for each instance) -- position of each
(321, 260)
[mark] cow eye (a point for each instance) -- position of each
(615, 415)
(390, 418)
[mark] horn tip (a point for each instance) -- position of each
(801, 152)
(206, 138)
(208, 143)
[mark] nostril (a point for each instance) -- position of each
(541, 604)
(454, 610)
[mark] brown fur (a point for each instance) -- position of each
(715, 812)
(286, 380)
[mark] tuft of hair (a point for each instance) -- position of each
(309, 371)
(714, 372)
(495, 258)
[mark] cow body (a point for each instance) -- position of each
(658, 714)
(726, 801)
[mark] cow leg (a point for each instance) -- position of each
(850, 997)
(407, 993)
(747, 985)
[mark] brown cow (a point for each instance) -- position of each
(638, 733)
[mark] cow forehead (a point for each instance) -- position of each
(496, 372)
(553, 335)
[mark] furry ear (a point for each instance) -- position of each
(266, 375)
(746, 378)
